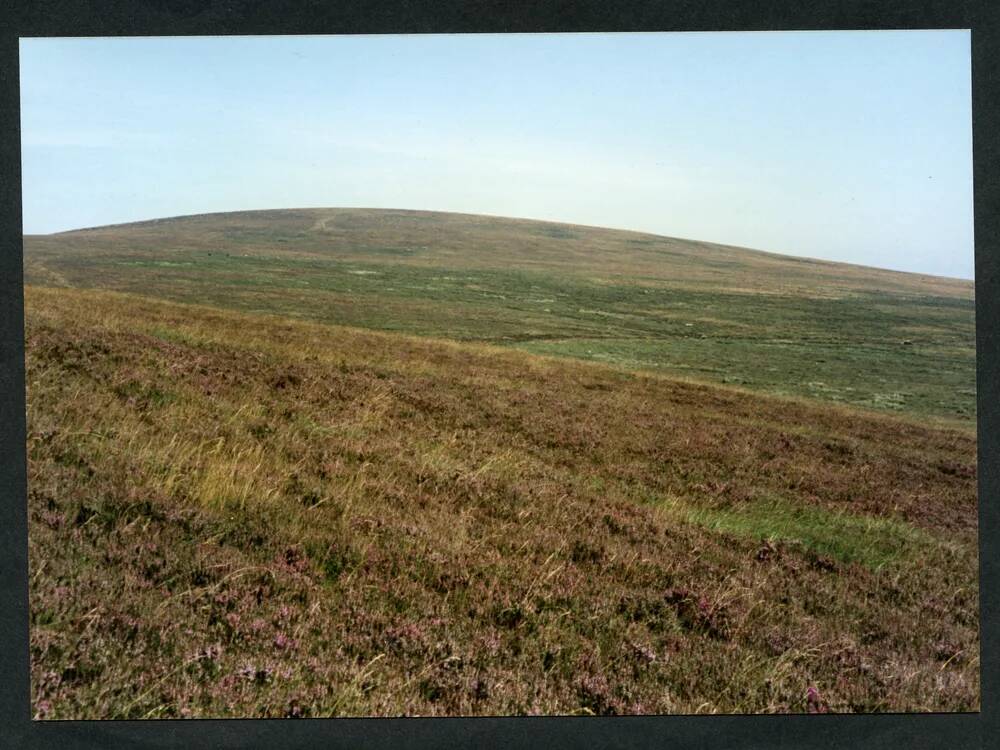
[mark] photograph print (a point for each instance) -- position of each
(500, 375)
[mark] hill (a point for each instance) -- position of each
(238, 514)
(870, 338)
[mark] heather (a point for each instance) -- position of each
(235, 513)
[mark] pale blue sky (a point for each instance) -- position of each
(853, 146)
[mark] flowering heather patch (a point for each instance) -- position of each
(240, 515)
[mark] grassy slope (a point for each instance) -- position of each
(706, 312)
(244, 515)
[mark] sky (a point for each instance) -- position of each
(847, 146)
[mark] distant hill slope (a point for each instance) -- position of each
(449, 239)
(872, 338)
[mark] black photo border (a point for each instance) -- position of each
(41, 18)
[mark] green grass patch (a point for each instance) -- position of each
(174, 336)
(866, 540)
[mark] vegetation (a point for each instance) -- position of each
(865, 337)
(240, 514)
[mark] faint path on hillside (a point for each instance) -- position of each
(320, 225)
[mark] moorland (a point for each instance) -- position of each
(360, 462)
